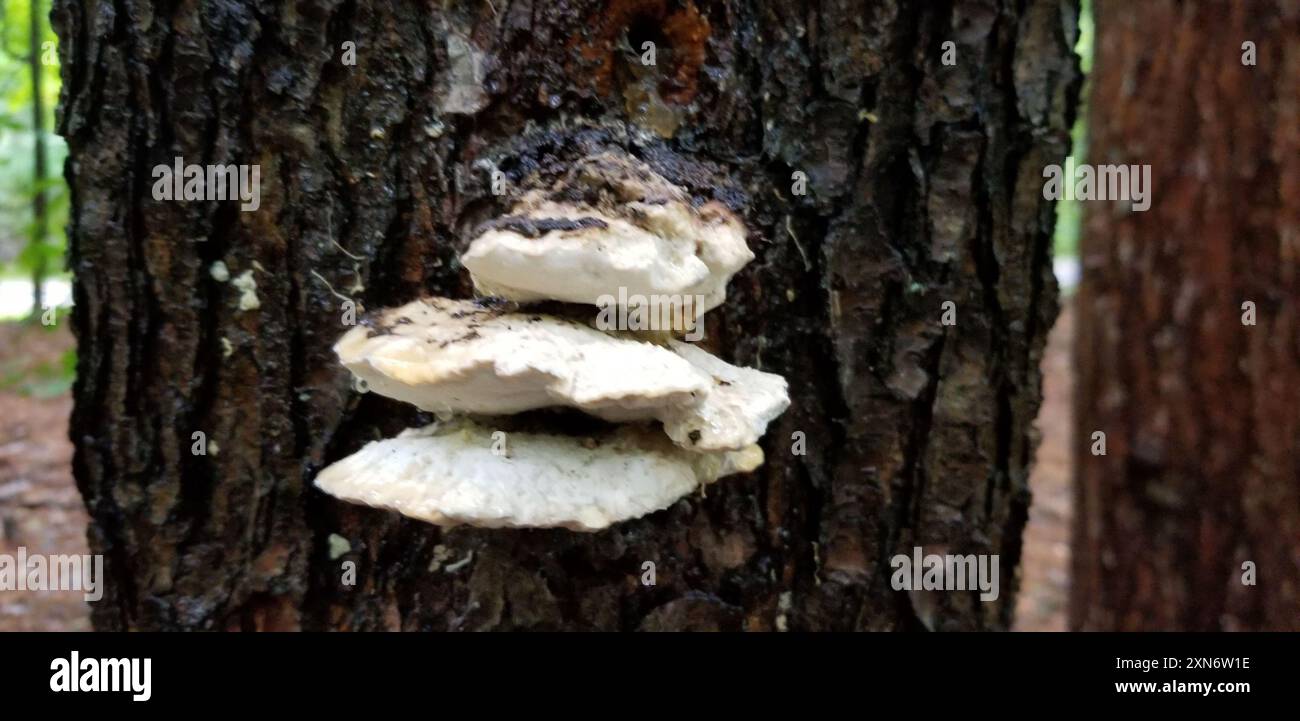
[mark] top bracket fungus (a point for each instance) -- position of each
(610, 223)
(609, 227)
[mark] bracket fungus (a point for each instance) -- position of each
(456, 356)
(448, 474)
(610, 224)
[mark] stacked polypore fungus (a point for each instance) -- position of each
(610, 228)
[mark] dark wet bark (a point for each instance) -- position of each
(1201, 412)
(924, 186)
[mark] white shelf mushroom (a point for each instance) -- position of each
(611, 224)
(733, 413)
(448, 474)
(610, 228)
(457, 356)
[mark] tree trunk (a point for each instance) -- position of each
(924, 186)
(40, 215)
(1201, 472)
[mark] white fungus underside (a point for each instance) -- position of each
(447, 474)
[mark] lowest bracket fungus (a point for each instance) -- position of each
(611, 226)
(449, 474)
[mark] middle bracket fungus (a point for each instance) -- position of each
(610, 227)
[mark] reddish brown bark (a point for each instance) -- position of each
(1201, 413)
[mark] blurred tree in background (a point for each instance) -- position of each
(33, 201)
(1188, 345)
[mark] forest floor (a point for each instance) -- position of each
(1045, 560)
(41, 510)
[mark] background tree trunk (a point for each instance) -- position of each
(924, 186)
(1202, 465)
(40, 215)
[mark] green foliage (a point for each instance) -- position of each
(21, 251)
(1069, 214)
(48, 379)
(23, 247)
